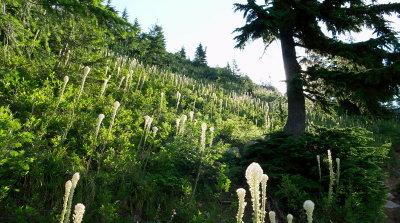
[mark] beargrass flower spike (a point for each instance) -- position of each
(211, 135)
(147, 125)
(241, 193)
(254, 175)
(66, 79)
(114, 113)
(120, 82)
(309, 207)
(68, 186)
(147, 122)
(203, 136)
(118, 70)
(86, 71)
(78, 213)
(127, 81)
(75, 179)
(331, 177)
(272, 216)
(103, 88)
(178, 98)
(319, 166)
(177, 121)
(99, 120)
(264, 180)
(161, 101)
(74, 182)
(191, 114)
(155, 130)
(107, 70)
(337, 171)
(289, 218)
(182, 125)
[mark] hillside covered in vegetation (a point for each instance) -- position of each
(157, 137)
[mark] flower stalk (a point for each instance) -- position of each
(74, 182)
(178, 98)
(68, 186)
(241, 193)
(182, 124)
(105, 83)
(289, 218)
(272, 217)
(78, 213)
(98, 124)
(211, 136)
(191, 114)
(66, 79)
(254, 174)
(337, 171)
(319, 167)
(309, 207)
(331, 178)
(264, 180)
(86, 71)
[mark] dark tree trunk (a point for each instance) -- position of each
(296, 121)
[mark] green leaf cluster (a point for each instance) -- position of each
(292, 168)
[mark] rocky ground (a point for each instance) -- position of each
(392, 206)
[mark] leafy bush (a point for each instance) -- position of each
(293, 170)
(15, 163)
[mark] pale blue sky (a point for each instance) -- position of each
(211, 22)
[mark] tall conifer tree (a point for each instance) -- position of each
(182, 53)
(365, 73)
(156, 52)
(200, 57)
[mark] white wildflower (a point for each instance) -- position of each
(272, 216)
(78, 213)
(99, 120)
(68, 186)
(191, 114)
(254, 174)
(155, 130)
(103, 88)
(309, 207)
(241, 193)
(203, 136)
(289, 218)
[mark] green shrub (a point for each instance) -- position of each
(293, 170)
